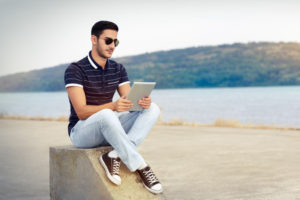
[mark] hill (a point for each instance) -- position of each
(251, 64)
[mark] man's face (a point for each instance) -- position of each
(106, 50)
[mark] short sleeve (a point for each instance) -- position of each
(124, 77)
(73, 76)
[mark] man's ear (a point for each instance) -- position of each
(94, 39)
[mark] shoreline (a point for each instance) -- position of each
(222, 123)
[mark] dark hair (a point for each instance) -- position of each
(100, 26)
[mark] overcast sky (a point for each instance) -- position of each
(37, 34)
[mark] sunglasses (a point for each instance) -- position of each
(108, 41)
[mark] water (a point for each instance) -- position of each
(278, 106)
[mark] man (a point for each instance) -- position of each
(97, 121)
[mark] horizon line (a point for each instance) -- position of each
(157, 51)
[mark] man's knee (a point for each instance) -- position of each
(154, 109)
(107, 116)
(105, 112)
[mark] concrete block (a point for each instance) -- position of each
(76, 174)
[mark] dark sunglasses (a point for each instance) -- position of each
(108, 41)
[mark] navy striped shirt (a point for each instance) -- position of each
(99, 85)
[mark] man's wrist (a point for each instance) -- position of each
(113, 106)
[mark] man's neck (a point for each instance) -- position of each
(98, 59)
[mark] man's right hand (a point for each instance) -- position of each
(123, 104)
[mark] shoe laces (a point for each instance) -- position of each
(116, 167)
(150, 176)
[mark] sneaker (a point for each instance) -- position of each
(149, 180)
(111, 167)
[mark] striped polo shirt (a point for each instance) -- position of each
(99, 85)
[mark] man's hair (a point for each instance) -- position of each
(100, 26)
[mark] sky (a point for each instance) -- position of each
(37, 34)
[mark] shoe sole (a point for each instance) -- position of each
(153, 191)
(107, 172)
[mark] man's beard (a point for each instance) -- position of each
(100, 53)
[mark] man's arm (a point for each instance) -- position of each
(123, 90)
(83, 111)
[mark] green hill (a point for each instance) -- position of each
(48, 79)
(252, 64)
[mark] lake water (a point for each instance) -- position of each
(278, 106)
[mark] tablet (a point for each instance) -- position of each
(137, 92)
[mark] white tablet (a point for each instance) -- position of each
(138, 91)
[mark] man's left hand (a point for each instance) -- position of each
(145, 102)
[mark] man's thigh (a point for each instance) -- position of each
(87, 133)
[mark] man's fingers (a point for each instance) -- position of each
(146, 99)
(144, 102)
(125, 105)
(144, 105)
(124, 100)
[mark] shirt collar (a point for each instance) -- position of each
(94, 64)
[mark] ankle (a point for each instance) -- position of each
(143, 165)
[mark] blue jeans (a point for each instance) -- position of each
(123, 131)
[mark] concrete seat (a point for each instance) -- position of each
(76, 174)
